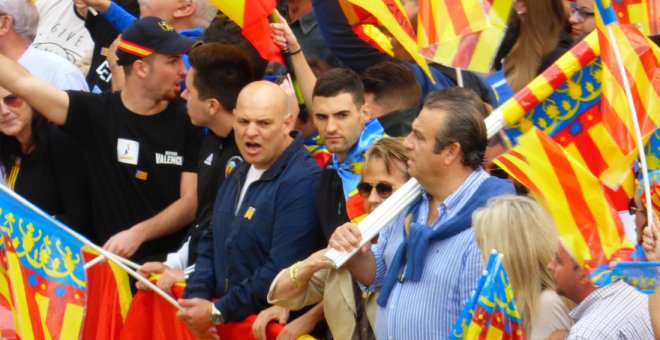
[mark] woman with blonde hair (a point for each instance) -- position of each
(519, 228)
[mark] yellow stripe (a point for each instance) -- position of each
(234, 9)
(135, 49)
(540, 171)
(444, 30)
(123, 289)
(638, 14)
(512, 111)
(477, 18)
(43, 302)
(23, 324)
(73, 321)
(541, 88)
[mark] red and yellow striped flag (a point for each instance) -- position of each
(252, 16)
(645, 13)
(588, 226)
(630, 62)
(464, 34)
(390, 15)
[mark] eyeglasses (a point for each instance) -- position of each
(582, 12)
(12, 101)
(383, 190)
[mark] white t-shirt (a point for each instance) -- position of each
(252, 176)
(60, 31)
(53, 69)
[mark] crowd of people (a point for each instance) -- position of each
(189, 154)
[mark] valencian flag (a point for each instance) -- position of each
(252, 16)
(588, 226)
(350, 169)
(491, 313)
(41, 271)
(390, 15)
(108, 299)
(464, 34)
(644, 13)
(571, 114)
(625, 50)
(365, 25)
(314, 145)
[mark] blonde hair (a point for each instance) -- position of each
(519, 228)
(540, 27)
(390, 150)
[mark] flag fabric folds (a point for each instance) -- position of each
(464, 34)
(42, 277)
(491, 313)
(588, 226)
(625, 48)
(391, 16)
(645, 13)
(108, 299)
(252, 16)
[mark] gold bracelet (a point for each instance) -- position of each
(293, 271)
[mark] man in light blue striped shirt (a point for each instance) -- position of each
(426, 262)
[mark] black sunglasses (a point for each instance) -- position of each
(383, 190)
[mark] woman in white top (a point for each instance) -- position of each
(521, 230)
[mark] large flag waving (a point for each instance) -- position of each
(252, 16)
(41, 270)
(587, 224)
(645, 13)
(464, 34)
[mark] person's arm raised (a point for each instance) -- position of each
(51, 102)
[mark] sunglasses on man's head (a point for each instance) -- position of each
(384, 190)
(12, 101)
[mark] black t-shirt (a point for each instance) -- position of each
(134, 162)
(330, 201)
(217, 158)
(103, 34)
(54, 179)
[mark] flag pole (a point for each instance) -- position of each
(110, 256)
(633, 112)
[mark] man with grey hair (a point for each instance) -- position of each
(19, 20)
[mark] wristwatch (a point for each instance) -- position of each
(216, 315)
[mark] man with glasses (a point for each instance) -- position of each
(19, 21)
(426, 263)
(581, 18)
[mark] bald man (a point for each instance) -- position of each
(264, 217)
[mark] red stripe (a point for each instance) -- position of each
(459, 20)
(578, 206)
(425, 16)
(583, 52)
(466, 50)
(640, 45)
(527, 99)
(256, 29)
(589, 152)
(516, 172)
(355, 206)
(555, 76)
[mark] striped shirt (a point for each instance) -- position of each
(428, 309)
(615, 311)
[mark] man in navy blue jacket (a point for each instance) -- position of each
(264, 217)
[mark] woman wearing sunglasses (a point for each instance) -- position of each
(350, 313)
(42, 164)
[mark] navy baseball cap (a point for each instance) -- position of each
(151, 35)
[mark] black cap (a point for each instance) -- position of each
(150, 35)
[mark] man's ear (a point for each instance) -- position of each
(452, 152)
(365, 111)
(213, 106)
(6, 24)
(185, 10)
(141, 68)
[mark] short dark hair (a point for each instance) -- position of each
(338, 81)
(393, 85)
(228, 32)
(463, 124)
(221, 71)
